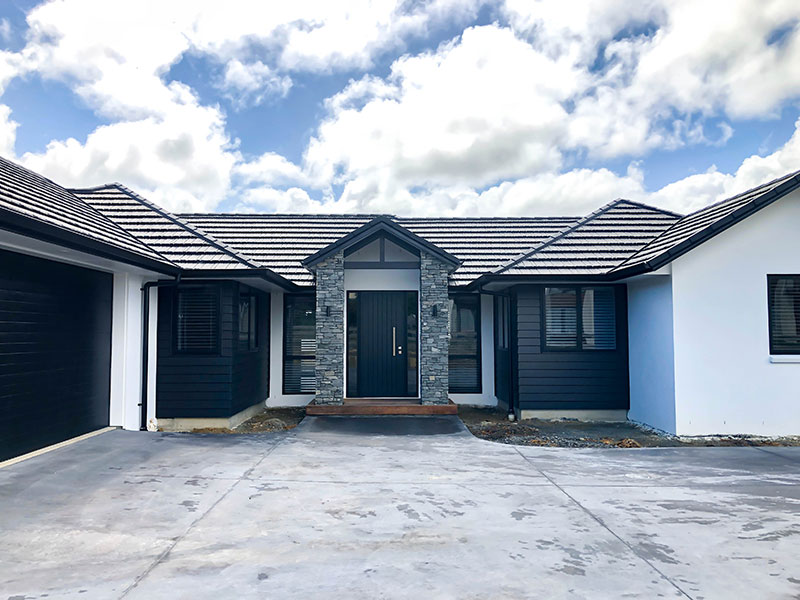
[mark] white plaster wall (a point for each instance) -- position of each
(724, 381)
(276, 395)
(126, 351)
(651, 357)
(486, 397)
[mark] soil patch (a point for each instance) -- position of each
(493, 425)
(268, 421)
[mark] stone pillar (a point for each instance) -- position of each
(330, 330)
(434, 335)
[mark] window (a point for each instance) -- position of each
(465, 364)
(502, 322)
(299, 344)
(784, 314)
(248, 322)
(379, 252)
(197, 320)
(587, 314)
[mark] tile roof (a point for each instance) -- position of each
(595, 244)
(39, 201)
(695, 228)
(281, 242)
(172, 237)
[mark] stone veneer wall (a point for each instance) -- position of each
(434, 335)
(330, 330)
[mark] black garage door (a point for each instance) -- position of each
(55, 352)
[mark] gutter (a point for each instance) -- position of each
(146, 342)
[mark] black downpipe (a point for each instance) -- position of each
(146, 343)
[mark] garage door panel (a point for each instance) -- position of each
(55, 352)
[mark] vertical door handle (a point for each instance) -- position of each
(394, 341)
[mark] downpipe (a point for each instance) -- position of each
(146, 343)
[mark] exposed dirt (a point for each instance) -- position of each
(269, 421)
(493, 425)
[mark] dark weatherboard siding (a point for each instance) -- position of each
(558, 380)
(211, 385)
(55, 352)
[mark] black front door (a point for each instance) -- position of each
(382, 344)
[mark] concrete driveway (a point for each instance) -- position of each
(395, 508)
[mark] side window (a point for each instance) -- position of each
(299, 344)
(248, 322)
(197, 320)
(784, 314)
(579, 318)
(465, 363)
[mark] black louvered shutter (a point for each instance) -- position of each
(784, 314)
(197, 320)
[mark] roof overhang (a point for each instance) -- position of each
(381, 225)
(260, 273)
(22, 225)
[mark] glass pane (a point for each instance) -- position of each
(561, 317)
(464, 375)
(197, 320)
(369, 253)
(784, 309)
(464, 344)
(599, 318)
(394, 253)
(301, 334)
(244, 322)
(299, 376)
(352, 344)
(411, 342)
(253, 322)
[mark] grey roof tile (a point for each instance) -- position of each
(280, 242)
(695, 227)
(29, 195)
(179, 241)
(595, 244)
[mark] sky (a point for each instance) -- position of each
(406, 107)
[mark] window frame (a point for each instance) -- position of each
(285, 356)
(770, 321)
(217, 293)
(479, 346)
(253, 322)
(578, 347)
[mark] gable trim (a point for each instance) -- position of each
(380, 224)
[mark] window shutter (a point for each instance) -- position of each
(599, 322)
(198, 320)
(784, 314)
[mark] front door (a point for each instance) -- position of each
(382, 344)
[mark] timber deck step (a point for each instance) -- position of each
(380, 406)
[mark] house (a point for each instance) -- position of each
(117, 312)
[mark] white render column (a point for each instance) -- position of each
(126, 351)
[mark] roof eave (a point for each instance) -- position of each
(20, 224)
(260, 273)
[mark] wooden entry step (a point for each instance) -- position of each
(380, 406)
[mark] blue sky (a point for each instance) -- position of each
(449, 107)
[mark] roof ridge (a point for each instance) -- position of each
(651, 207)
(554, 238)
(177, 221)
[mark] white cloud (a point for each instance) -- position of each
(488, 123)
